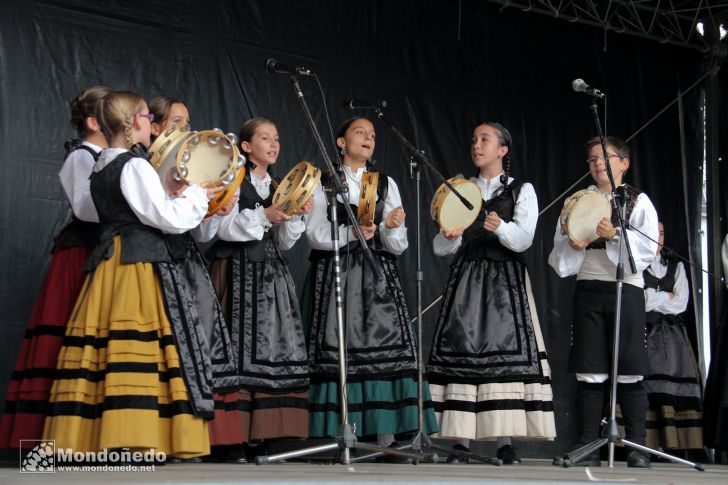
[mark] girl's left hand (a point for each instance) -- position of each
(227, 208)
(492, 221)
(605, 229)
(307, 207)
(175, 188)
(395, 218)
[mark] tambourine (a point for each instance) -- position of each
(447, 209)
(581, 214)
(296, 187)
(204, 157)
(367, 198)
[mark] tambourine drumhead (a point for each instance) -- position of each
(207, 157)
(447, 209)
(296, 188)
(581, 214)
(367, 198)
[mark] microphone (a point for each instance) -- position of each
(580, 86)
(353, 103)
(275, 67)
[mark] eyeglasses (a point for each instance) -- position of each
(149, 116)
(592, 160)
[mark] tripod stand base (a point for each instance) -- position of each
(578, 456)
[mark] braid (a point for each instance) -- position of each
(506, 169)
(128, 131)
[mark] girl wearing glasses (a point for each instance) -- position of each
(27, 395)
(595, 267)
(488, 372)
(122, 357)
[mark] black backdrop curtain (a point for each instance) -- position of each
(441, 72)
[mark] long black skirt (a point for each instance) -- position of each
(489, 375)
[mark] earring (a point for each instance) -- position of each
(343, 150)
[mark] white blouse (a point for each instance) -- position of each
(660, 301)
(567, 261)
(251, 224)
(516, 235)
(318, 228)
(143, 191)
(74, 175)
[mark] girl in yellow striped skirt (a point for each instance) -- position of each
(123, 378)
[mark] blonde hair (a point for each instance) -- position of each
(115, 111)
(84, 106)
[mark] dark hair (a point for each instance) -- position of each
(619, 145)
(84, 106)
(115, 111)
(504, 139)
(161, 106)
(344, 127)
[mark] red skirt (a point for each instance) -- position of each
(26, 401)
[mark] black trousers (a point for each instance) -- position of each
(593, 329)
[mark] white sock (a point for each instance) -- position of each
(503, 441)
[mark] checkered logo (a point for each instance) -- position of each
(40, 458)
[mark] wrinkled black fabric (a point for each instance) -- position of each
(485, 332)
(199, 331)
(263, 312)
(379, 337)
(265, 319)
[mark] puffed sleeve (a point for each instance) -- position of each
(144, 193)
(394, 239)
(74, 176)
(644, 247)
(318, 227)
(564, 259)
(517, 235)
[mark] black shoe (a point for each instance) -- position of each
(458, 459)
(638, 460)
(591, 460)
(507, 454)
(402, 460)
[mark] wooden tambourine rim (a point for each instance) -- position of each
(568, 208)
(367, 198)
(221, 199)
(440, 195)
(290, 198)
(170, 139)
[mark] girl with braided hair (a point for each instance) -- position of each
(26, 401)
(128, 374)
(488, 372)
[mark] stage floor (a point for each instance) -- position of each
(531, 471)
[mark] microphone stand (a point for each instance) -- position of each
(610, 434)
(422, 443)
(346, 439)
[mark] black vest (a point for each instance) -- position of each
(481, 244)
(382, 190)
(139, 242)
(78, 232)
(667, 282)
(255, 250)
(632, 193)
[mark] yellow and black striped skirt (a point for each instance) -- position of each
(118, 381)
